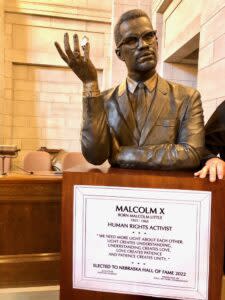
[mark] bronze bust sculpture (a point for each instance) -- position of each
(146, 121)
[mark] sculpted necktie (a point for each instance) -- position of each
(141, 108)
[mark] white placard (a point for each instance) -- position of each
(152, 242)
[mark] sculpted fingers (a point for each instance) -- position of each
(86, 49)
(76, 50)
(61, 53)
(67, 46)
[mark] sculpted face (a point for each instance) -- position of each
(138, 48)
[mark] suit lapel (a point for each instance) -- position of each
(127, 112)
(159, 103)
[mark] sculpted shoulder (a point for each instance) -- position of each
(182, 91)
(107, 94)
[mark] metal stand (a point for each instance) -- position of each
(4, 156)
(3, 165)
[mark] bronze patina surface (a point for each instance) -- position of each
(170, 135)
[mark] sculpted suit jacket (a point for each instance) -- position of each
(172, 137)
(215, 132)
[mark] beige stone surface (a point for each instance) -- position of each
(206, 56)
(181, 23)
(42, 97)
(159, 6)
(211, 8)
(211, 80)
(7, 69)
(42, 39)
(81, 10)
(174, 20)
(47, 108)
(2, 81)
(219, 48)
(185, 74)
(213, 28)
(212, 63)
(52, 58)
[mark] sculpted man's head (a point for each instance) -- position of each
(136, 44)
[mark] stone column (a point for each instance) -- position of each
(211, 68)
(1, 69)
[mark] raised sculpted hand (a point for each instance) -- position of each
(80, 64)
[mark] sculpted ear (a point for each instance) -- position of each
(119, 55)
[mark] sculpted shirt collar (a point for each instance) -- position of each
(150, 83)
